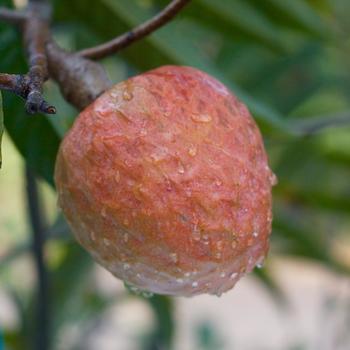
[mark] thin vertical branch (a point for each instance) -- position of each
(36, 219)
(35, 35)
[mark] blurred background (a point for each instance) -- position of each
(288, 60)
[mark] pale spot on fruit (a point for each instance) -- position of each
(273, 179)
(196, 233)
(192, 151)
(233, 275)
(126, 237)
(117, 176)
(181, 169)
(187, 274)
(255, 234)
(92, 236)
(179, 280)
(260, 262)
(223, 274)
(126, 266)
(195, 284)
(106, 242)
(219, 245)
(173, 257)
(201, 118)
(127, 95)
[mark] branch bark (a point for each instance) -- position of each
(35, 35)
(137, 33)
(35, 27)
(12, 16)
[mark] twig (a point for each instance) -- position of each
(35, 27)
(137, 33)
(38, 229)
(12, 16)
(315, 125)
(35, 34)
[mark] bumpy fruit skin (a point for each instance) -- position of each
(164, 180)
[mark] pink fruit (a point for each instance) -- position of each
(164, 180)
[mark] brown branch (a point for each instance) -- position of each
(35, 35)
(20, 85)
(35, 27)
(12, 16)
(15, 83)
(124, 40)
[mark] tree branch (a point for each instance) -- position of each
(35, 27)
(137, 33)
(12, 16)
(35, 35)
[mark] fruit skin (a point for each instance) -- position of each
(164, 180)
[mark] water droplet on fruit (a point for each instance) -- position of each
(192, 151)
(260, 262)
(201, 118)
(273, 179)
(127, 95)
(218, 183)
(117, 176)
(173, 257)
(233, 275)
(255, 234)
(146, 294)
(219, 245)
(218, 255)
(196, 233)
(195, 284)
(181, 169)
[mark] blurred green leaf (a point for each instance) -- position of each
(70, 280)
(163, 308)
(1, 128)
(297, 14)
(264, 276)
(240, 17)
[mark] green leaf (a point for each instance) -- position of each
(296, 14)
(238, 17)
(1, 128)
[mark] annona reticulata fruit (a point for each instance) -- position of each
(164, 179)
